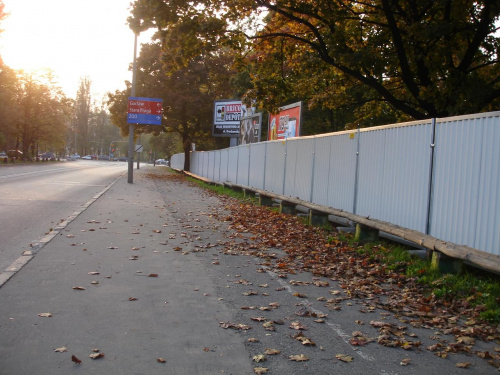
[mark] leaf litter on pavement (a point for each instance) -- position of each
(361, 281)
(354, 277)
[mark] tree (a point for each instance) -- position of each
(41, 113)
(403, 58)
(82, 112)
(8, 106)
(189, 68)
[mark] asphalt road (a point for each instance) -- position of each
(35, 198)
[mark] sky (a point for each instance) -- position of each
(74, 38)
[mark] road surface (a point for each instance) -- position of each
(35, 198)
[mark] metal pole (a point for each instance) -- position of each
(138, 153)
(131, 126)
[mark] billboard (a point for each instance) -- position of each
(286, 123)
(227, 117)
(250, 129)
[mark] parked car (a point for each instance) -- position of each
(87, 157)
(103, 157)
(122, 158)
(14, 154)
(47, 155)
(161, 161)
(75, 156)
(3, 155)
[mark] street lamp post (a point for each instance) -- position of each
(130, 179)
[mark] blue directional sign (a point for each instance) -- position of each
(144, 111)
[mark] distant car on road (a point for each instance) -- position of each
(161, 162)
(47, 156)
(14, 154)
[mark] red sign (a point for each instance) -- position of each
(286, 123)
(144, 107)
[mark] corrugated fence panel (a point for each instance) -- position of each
(211, 165)
(465, 193)
(488, 215)
(257, 164)
(206, 158)
(275, 166)
(371, 172)
(195, 166)
(243, 165)
(406, 175)
(217, 165)
(232, 169)
(299, 167)
(342, 171)
(177, 161)
(224, 165)
(394, 174)
(290, 167)
(321, 165)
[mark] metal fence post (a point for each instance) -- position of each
(431, 177)
(312, 170)
(284, 169)
(356, 175)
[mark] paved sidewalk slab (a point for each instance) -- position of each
(112, 250)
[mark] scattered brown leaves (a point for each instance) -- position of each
(344, 358)
(236, 326)
(260, 370)
(298, 358)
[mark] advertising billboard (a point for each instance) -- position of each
(286, 123)
(227, 118)
(250, 129)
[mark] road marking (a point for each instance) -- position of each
(335, 327)
(20, 262)
(34, 172)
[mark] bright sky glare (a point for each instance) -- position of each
(74, 38)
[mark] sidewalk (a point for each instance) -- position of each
(126, 236)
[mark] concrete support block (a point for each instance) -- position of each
(365, 234)
(318, 218)
(265, 201)
(248, 193)
(287, 208)
(445, 264)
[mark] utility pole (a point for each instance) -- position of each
(130, 179)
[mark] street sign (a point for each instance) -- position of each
(138, 148)
(144, 111)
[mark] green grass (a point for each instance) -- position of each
(221, 190)
(479, 288)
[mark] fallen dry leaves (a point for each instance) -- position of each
(363, 279)
(75, 359)
(260, 370)
(298, 358)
